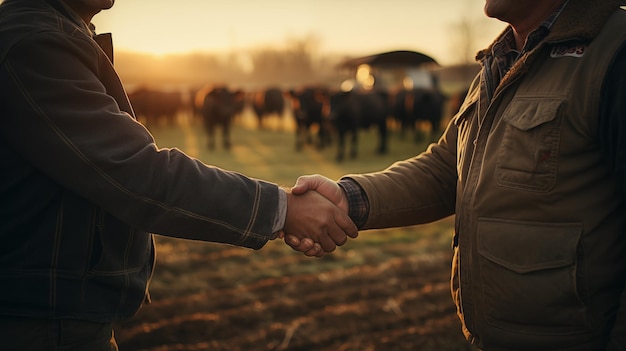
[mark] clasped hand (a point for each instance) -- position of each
(317, 216)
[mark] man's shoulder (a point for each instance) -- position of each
(26, 18)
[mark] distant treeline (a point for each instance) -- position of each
(292, 66)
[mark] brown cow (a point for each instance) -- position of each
(309, 105)
(218, 106)
(154, 106)
(268, 102)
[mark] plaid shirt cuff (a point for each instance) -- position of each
(358, 204)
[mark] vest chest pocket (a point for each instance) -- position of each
(527, 158)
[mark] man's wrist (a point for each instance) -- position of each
(358, 204)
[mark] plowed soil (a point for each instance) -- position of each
(211, 297)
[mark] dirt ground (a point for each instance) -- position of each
(383, 303)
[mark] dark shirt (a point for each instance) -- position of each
(504, 51)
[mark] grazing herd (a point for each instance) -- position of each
(320, 115)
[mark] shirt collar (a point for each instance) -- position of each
(507, 41)
(504, 50)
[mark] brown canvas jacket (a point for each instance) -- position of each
(540, 244)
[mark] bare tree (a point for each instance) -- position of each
(464, 33)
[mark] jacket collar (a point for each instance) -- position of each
(580, 19)
(67, 12)
(104, 40)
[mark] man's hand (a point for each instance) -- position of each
(325, 186)
(330, 190)
(315, 225)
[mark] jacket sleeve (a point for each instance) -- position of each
(418, 190)
(60, 117)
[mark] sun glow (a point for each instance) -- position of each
(364, 77)
(226, 26)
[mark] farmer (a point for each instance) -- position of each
(533, 168)
(83, 183)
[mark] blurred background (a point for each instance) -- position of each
(251, 43)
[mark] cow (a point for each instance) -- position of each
(355, 110)
(268, 102)
(308, 106)
(218, 107)
(152, 106)
(421, 104)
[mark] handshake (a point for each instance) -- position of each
(317, 218)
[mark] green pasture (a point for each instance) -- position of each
(270, 153)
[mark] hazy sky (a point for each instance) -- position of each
(356, 27)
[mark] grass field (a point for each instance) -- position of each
(387, 290)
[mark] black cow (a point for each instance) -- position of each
(151, 106)
(352, 111)
(421, 104)
(267, 102)
(218, 107)
(308, 105)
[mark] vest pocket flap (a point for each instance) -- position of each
(527, 112)
(524, 247)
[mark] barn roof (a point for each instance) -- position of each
(396, 58)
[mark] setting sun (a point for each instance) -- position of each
(350, 27)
